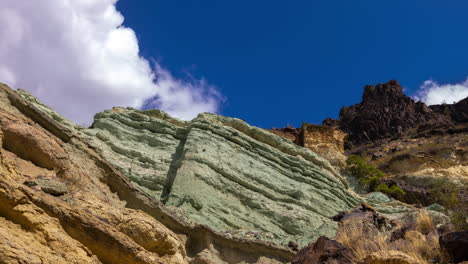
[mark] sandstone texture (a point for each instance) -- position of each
(325, 140)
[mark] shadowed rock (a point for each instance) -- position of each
(323, 251)
(455, 245)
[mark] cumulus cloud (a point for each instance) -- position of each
(77, 57)
(432, 92)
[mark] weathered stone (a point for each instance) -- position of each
(223, 173)
(386, 112)
(324, 140)
(50, 186)
(327, 141)
(323, 251)
(455, 245)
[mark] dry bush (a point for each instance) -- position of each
(422, 247)
(424, 223)
(362, 239)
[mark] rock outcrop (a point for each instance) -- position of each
(417, 146)
(223, 173)
(54, 207)
(61, 201)
(327, 141)
(386, 112)
(323, 251)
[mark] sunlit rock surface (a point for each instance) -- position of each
(221, 172)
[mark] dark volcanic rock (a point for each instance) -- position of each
(365, 213)
(323, 251)
(414, 194)
(455, 245)
(458, 111)
(386, 112)
(398, 234)
(293, 246)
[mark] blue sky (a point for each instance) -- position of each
(273, 62)
(279, 62)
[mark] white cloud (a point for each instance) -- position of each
(76, 56)
(432, 92)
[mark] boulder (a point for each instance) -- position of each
(455, 246)
(323, 251)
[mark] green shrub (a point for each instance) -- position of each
(367, 174)
(448, 195)
(393, 191)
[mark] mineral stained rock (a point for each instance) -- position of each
(223, 173)
(55, 209)
(61, 201)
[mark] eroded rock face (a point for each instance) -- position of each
(64, 212)
(244, 182)
(386, 112)
(325, 140)
(223, 173)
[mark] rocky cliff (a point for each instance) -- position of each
(225, 174)
(416, 145)
(142, 187)
(386, 112)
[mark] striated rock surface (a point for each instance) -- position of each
(61, 201)
(223, 173)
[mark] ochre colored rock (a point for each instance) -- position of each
(102, 217)
(324, 140)
(65, 213)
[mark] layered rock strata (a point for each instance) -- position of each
(61, 201)
(225, 174)
(327, 141)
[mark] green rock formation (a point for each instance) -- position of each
(221, 172)
(225, 174)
